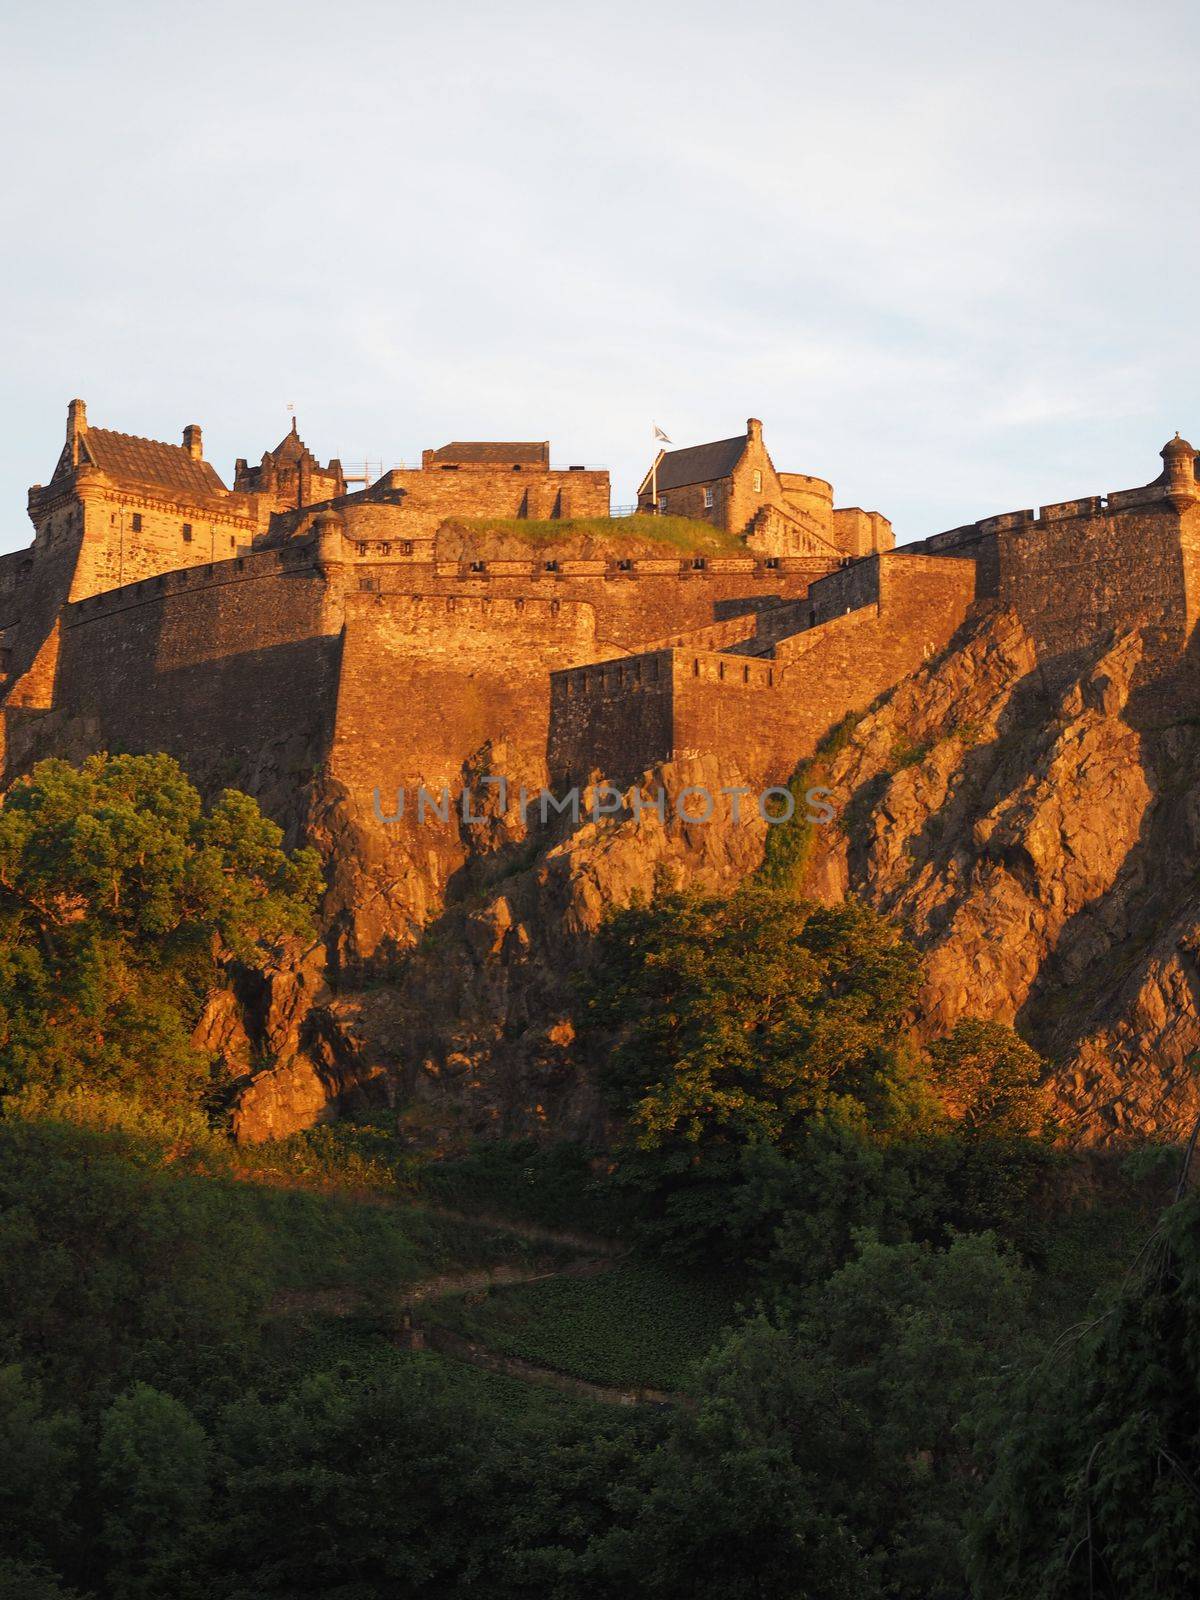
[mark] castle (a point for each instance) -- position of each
(487, 601)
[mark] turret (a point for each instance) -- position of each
(1179, 473)
(328, 530)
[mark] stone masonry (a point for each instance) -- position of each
(391, 637)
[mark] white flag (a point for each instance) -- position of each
(659, 434)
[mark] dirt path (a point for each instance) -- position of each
(450, 1283)
(589, 1243)
(601, 1255)
(413, 1336)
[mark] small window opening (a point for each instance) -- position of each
(187, 533)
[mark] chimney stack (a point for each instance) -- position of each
(754, 429)
(76, 425)
(193, 441)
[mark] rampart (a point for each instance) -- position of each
(1077, 568)
(230, 668)
(765, 714)
(428, 680)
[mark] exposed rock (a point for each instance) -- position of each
(1038, 839)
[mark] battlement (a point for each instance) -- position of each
(378, 633)
(238, 569)
(1076, 568)
(887, 614)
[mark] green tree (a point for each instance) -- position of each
(121, 903)
(1097, 1487)
(113, 1267)
(154, 1466)
(737, 1020)
(31, 1580)
(723, 1510)
(870, 1393)
(989, 1079)
(39, 1470)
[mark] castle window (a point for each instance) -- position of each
(232, 542)
(362, 549)
(478, 566)
(187, 533)
(771, 563)
(699, 563)
(137, 522)
(708, 499)
(757, 481)
(406, 547)
(552, 566)
(662, 502)
(625, 565)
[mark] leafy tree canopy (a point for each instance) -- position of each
(738, 1019)
(989, 1079)
(1097, 1488)
(121, 899)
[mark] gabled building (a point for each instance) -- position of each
(734, 484)
(290, 476)
(128, 508)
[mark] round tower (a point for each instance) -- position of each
(1179, 473)
(328, 530)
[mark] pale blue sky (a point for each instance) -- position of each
(945, 251)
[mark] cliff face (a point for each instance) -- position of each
(1041, 845)
(1039, 840)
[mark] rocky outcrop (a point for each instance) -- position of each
(477, 1030)
(1041, 848)
(1040, 842)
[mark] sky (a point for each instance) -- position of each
(944, 251)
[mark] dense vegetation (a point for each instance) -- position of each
(121, 900)
(919, 1353)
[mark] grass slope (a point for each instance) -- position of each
(635, 1325)
(628, 535)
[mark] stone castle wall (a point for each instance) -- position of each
(1076, 569)
(763, 714)
(218, 666)
(428, 496)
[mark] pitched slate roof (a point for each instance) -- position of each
(124, 455)
(699, 463)
(477, 452)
